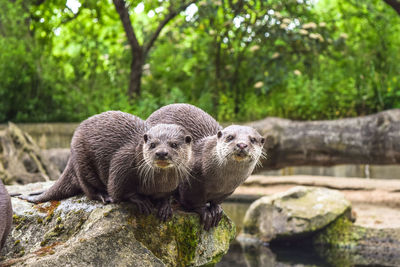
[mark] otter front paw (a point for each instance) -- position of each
(144, 204)
(105, 198)
(216, 214)
(164, 210)
(205, 217)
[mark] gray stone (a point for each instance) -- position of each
(292, 214)
(80, 232)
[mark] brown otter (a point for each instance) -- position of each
(223, 159)
(5, 214)
(113, 158)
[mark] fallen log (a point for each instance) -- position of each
(373, 139)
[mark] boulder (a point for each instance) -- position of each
(295, 213)
(81, 232)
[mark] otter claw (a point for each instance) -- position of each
(106, 199)
(216, 213)
(165, 212)
(144, 205)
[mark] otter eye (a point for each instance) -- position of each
(252, 140)
(173, 145)
(230, 138)
(152, 145)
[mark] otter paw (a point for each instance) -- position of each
(205, 217)
(144, 205)
(216, 213)
(165, 211)
(105, 198)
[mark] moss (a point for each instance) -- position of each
(340, 233)
(56, 231)
(17, 242)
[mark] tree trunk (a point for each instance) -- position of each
(373, 139)
(135, 76)
(395, 4)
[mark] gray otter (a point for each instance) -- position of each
(113, 158)
(223, 159)
(5, 214)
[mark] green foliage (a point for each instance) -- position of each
(238, 60)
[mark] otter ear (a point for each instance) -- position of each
(262, 140)
(219, 134)
(188, 139)
(145, 137)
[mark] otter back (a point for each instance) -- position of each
(197, 122)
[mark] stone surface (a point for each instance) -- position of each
(81, 232)
(295, 213)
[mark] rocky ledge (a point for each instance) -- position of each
(80, 232)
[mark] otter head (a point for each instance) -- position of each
(240, 144)
(167, 146)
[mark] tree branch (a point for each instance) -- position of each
(395, 4)
(172, 13)
(122, 10)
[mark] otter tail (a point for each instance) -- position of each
(66, 186)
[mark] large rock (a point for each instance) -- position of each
(80, 232)
(295, 213)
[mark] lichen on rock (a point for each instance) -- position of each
(87, 233)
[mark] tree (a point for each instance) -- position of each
(140, 52)
(395, 4)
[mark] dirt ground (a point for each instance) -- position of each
(376, 202)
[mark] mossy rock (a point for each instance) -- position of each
(343, 243)
(81, 232)
(294, 214)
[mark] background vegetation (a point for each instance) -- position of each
(237, 59)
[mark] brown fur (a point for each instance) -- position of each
(197, 122)
(219, 165)
(106, 157)
(5, 214)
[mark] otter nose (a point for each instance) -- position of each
(162, 154)
(241, 145)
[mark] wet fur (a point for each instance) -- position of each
(215, 175)
(5, 214)
(106, 155)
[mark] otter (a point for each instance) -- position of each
(5, 214)
(115, 157)
(223, 159)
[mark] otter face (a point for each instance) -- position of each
(239, 143)
(167, 146)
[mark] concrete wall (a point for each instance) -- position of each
(58, 135)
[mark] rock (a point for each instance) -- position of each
(58, 156)
(343, 243)
(81, 232)
(295, 213)
(21, 160)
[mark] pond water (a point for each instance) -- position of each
(285, 255)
